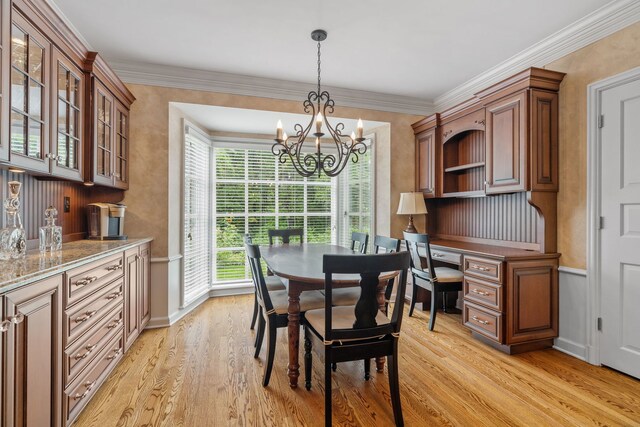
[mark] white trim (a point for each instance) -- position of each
(610, 18)
(166, 259)
(69, 24)
(571, 348)
(574, 271)
(214, 81)
(594, 96)
(237, 289)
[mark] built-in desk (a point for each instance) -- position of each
(510, 296)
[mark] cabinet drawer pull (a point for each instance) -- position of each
(479, 267)
(18, 318)
(89, 386)
(482, 322)
(115, 354)
(113, 295)
(437, 255)
(86, 316)
(479, 292)
(86, 281)
(81, 356)
(115, 324)
(4, 325)
(114, 267)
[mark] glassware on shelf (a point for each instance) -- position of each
(50, 234)
(13, 239)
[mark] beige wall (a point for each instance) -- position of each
(154, 197)
(612, 55)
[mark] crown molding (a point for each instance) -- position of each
(215, 81)
(52, 4)
(610, 18)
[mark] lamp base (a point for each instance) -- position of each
(410, 227)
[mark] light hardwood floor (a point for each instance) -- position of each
(201, 372)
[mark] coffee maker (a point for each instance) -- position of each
(106, 221)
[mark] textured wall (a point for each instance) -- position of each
(154, 197)
(612, 55)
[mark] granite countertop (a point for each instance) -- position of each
(37, 266)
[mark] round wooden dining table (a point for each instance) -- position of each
(301, 265)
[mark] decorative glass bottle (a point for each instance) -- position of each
(13, 239)
(50, 234)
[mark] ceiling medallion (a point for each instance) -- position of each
(339, 148)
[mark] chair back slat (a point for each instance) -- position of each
(413, 241)
(359, 242)
(253, 255)
(389, 244)
(369, 267)
(286, 234)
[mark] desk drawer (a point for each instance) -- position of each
(93, 342)
(78, 395)
(484, 268)
(82, 281)
(82, 317)
(483, 293)
(445, 256)
(483, 321)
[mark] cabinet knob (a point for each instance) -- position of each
(4, 325)
(18, 318)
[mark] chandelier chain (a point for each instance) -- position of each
(318, 71)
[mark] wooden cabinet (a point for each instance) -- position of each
(426, 167)
(121, 147)
(5, 86)
(33, 350)
(30, 80)
(67, 110)
(144, 289)
(103, 113)
(132, 285)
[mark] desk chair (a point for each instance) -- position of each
(358, 332)
(434, 279)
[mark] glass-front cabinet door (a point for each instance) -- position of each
(103, 135)
(121, 155)
(67, 107)
(5, 58)
(29, 139)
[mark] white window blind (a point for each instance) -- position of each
(197, 217)
(356, 187)
(254, 192)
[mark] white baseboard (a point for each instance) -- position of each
(158, 322)
(571, 348)
(236, 290)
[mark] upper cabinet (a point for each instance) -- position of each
(64, 113)
(504, 140)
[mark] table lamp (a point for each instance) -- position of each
(411, 204)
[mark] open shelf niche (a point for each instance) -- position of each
(463, 158)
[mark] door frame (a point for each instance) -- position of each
(594, 193)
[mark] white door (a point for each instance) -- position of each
(620, 236)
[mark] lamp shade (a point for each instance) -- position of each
(411, 204)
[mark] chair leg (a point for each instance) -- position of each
(259, 335)
(271, 351)
(394, 386)
(367, 369)
(255, 312)
(413, 297)
(307, 360)
(434, 310)
(334, 367)
(327, 391)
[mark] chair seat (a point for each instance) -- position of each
(274, 283)
(345, 296)
(447, 275)
(342, 317)
(309, 300)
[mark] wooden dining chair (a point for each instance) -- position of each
(358, 332)
(434, 279)
(285, 234)
(273, 309)
(359, 242)
(273, 284)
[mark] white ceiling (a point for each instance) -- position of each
(419, 48)
(224, 119)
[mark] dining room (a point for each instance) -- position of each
(284, 213)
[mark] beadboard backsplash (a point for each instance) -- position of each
(36, 195)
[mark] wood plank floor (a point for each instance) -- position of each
(201, 372)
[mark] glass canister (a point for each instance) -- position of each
(50, 234)
(13, 239)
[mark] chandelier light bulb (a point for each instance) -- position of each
(284, 137)
(353, 135)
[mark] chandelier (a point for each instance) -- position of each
(339, 147)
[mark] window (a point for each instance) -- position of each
(196, 215)
(254, 192)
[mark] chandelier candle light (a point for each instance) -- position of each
(343, 147)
